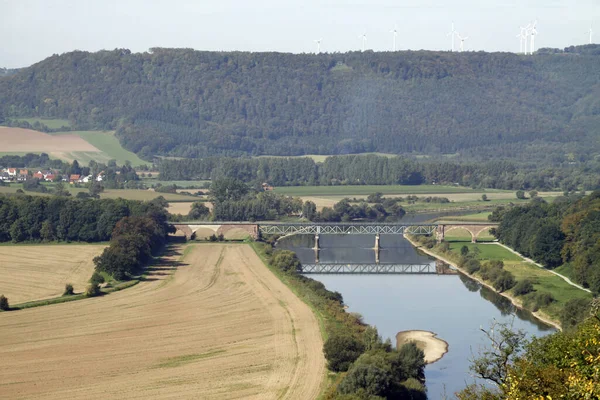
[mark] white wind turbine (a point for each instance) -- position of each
(452, 33)
(318, 42)
(591, 32)
(395, 33)
(462, 41)
(533, 32)
(363, 37)
(523, 39)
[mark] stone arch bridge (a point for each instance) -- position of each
(358, 228)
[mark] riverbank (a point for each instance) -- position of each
(433, 347)
(515, 301)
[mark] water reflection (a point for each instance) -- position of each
(438, 303)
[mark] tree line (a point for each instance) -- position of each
(186, 103)
(565, 232)
(379, 170)
(35, 218)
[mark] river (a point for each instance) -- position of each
(453, 306)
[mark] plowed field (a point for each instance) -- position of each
(217, 325)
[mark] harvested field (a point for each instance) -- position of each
(26, 140)
(180, 208)
(218, 325)
(30, 273)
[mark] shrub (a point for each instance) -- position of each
(93, 290)
(96, 279)
(68, 290)
(471, 265)
(464, 251)
(221, 237)
(445, 247)
(523, 287)
(341, 350)
(4, 303)
(574, 311)
(504, 281)
(213, 238)
(286, 261)
(368, 379)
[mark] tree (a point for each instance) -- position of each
(68, 290)
(4, 303)
(95, 189)
(523, 287)
(61, 190)
(533, 194)
(309, 210)
(492, 364)
(341, 350)
(199, 211)
(286, 261)
(484, 197)
(47, 231)
(93, 290)
(504, 281)
(227, 189)
(574, 312)
(464, 251)
(520, 195)
(368, 379)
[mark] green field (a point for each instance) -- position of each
(365, 190)
(50, 123)
(481, 216)
(108, 144)
(543, 280)
(487, 251)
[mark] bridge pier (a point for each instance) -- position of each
(316, 242)
(376, 248)
(316, 256)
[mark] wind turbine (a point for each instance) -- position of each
(318, 42)
(533, 32)
(452, 33)
(522, 39)
(591, 32)
(364, 40)
(395, 33)
(462, 41)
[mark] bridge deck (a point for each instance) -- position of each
(369, 268)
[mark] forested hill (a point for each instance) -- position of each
(181, 102)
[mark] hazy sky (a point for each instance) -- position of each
(32, 30)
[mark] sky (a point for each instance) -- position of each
(32, 30)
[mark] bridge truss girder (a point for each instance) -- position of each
(340, 229)
(369, 269)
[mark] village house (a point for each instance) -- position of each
(100, 177)
(4, 176)
(10, 171)
(85, 179)
(74, 178)
(23, 172)
(266, 187)
(39, 175)
(49, 177)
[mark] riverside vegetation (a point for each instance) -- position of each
(363, 365)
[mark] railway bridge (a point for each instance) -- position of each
(255, 229)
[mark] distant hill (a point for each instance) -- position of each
(7, 71)
(186, 103)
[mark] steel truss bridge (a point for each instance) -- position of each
(346, 229)
(369, 268)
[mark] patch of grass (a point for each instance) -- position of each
(129, 194)
(481, 216)
(566, 270)
(182, 184)
(178, 361)
(486, 251)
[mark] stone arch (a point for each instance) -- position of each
(251, 229)
(474, 230)
(185, 229)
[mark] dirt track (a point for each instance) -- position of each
(222, 326)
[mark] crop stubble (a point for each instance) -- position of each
(221, 326)
(30, 273)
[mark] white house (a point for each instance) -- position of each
(85, 179)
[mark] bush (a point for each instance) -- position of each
(523, 287)
(574, 311)
(286, 261)
(368, 379)
(341, 350)
(464, 251)
(213, 238)
(471, 265)
(68, 290)
(504, 281)
(93, 290)
(96, 279)
(4, 303)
